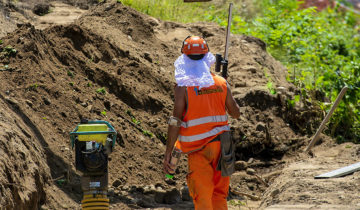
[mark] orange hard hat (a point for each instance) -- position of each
(194, 45)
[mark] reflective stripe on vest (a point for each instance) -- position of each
(218, 118)
(212, 132)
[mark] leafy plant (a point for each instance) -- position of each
(33, 87)
(103, 112)
(89, 84)
(9, 51)
(323, 48)
(269, 84)
(133, 119)
(147, 133)
(1, 41)
(101, 91)
(237, 203)
(71, 84)
(70, 73)
(137, 122)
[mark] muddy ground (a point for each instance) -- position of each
(109, 62)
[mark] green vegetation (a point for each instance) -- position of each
(101, 91)
(133, 119)
(147, 133)
(237, 203)
(70, 73)
(103, 112)
(9, 51)
(269, 84)
(320, 49)
(323, 51)
(32, 87)
(174, 10)
(1, 41)
(137, 122)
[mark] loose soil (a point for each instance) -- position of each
(56, 76)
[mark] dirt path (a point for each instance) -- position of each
(296, 187)
(61, 14)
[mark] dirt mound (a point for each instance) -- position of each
(25, 172)
(116, 64)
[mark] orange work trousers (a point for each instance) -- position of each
(207, 187)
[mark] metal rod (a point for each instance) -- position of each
(336, 103)
(228, 33)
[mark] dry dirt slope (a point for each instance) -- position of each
(53, 80)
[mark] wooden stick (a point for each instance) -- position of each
(261, 180)
(320, 129)
(252, 197)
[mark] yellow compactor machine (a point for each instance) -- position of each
(93, 142)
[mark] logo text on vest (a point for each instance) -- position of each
(217, 89)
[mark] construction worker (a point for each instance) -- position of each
(199, 118)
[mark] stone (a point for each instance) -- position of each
(185, 195)
(109, 7)
(250, 171)
(114, 61)
(46, 101)
(251, 69)
(159, 196)
(41, 9)
(172, 197)
(281, 89)
(240, 84)
(116, 183)
(125, 188)
(275, 192)
(170, 181)
(150, 189)
(251, 186)
(153, 21)
(146, 202)
(111, 192)
(44, 207)
(147, 57)
(28, 102)
(240, 165)
(260, 126)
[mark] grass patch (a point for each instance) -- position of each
(101, 91)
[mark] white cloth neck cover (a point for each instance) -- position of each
(194, 72)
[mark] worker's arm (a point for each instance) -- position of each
(231, 106)
(173, 131)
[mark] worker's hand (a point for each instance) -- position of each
(168, 167)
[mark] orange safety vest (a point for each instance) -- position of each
(205, 116)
